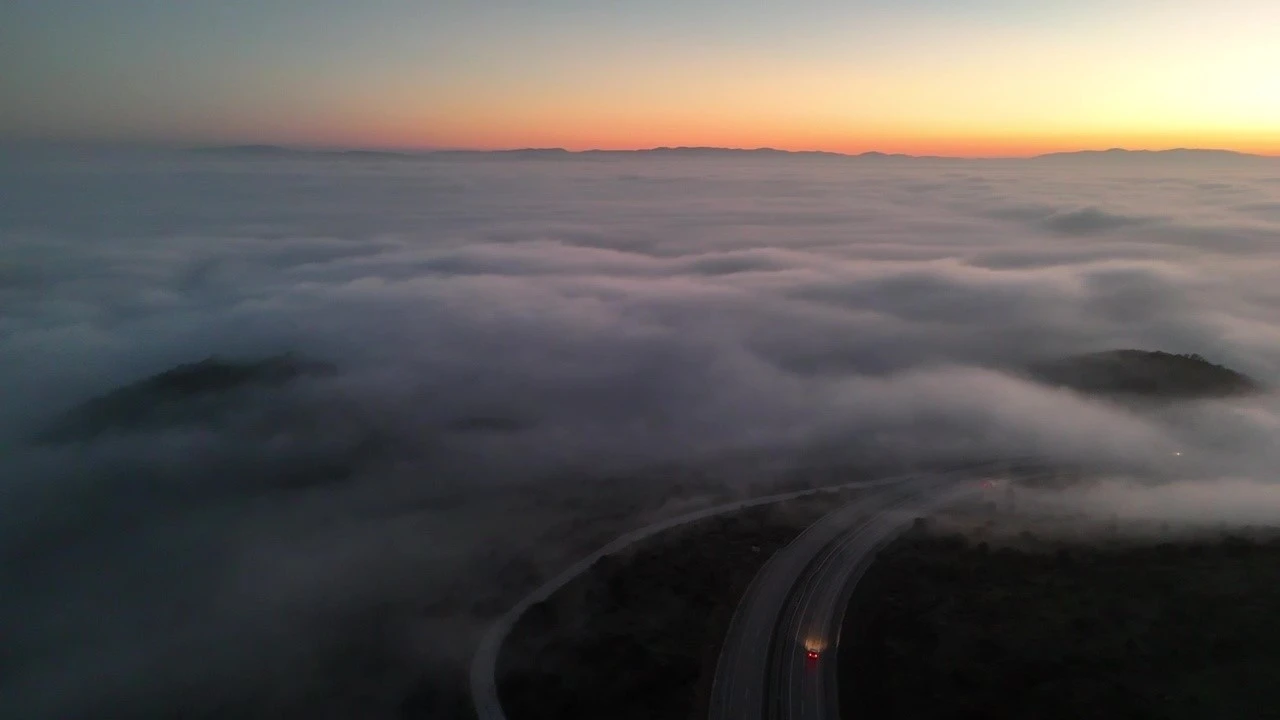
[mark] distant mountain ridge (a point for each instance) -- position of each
(552, 153)
(1172, 154)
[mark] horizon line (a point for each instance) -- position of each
(410, 151)
(559, 150)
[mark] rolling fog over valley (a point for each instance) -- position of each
(279, 433)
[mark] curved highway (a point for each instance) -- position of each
(484, 664)
(740, 681)
(781, 601)
(808, 689)
(778, 658)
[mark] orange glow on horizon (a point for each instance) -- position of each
(977, 79)
(588, 126)
(619, 132)
(1006, 94)
(799, 139)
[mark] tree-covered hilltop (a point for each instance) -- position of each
(1145, 373)
(947, 627)
(191, 393)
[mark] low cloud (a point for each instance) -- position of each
(1265, 210)
(522, 347)
(1088, 221)
(1203, 503)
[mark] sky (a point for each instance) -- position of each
(654, 333)
(950, 77)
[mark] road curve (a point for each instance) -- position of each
(484, 664)
(796, 602)
(806, 690)
(742, 683)
(483, 671)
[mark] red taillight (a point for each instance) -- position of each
(813, 654)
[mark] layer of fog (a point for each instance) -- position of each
(1179, 505)
(626, 314)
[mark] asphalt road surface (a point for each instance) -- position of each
(805, 687)
(778, 660)
(788, 608)
(484, 685)
(744, 666)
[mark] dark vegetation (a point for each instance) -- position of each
(639, 635)
(187, 394)
(1146, 374)
(946, 628)
(217, 392)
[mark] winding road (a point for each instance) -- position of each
(484, 664)
(793, 605)
(807, 689)
(763, 655)
(778, 660)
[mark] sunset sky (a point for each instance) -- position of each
(953, 77)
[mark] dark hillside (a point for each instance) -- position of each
(948, 628)
(1143, 373)
(192, 393)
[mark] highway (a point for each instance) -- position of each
(805, 689)
(788, 596)
(778, 660)
(484, 664)
(743, 672)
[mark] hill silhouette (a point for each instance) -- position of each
(191, 393)
(1145, 373)
(1200, 155)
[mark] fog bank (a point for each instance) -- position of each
(519, 344)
